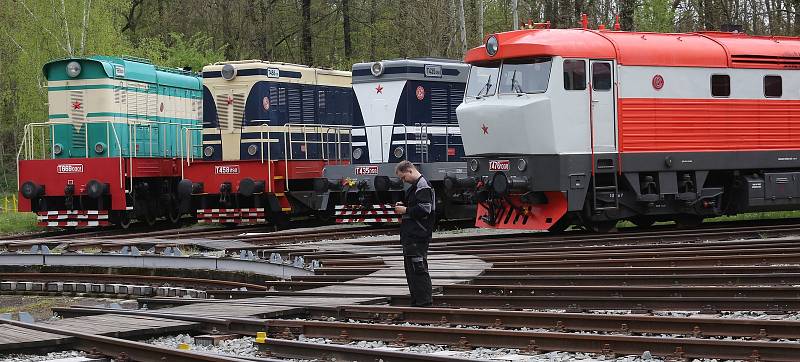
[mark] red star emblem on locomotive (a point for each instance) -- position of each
(379, 89)
(230, 100)
(76, 105)
(485, 129)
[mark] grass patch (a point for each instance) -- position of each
(771, 215)
(18, 222)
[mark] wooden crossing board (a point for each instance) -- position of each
(123, 326)
(231, 309)
(17, 338)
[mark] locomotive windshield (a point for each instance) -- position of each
(482, 80)
(525, 75)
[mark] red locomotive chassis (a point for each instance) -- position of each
(56, 174)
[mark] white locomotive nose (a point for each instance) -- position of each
(507, 125)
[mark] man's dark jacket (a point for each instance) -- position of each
(417, 223)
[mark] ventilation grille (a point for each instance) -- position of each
(77, 114)
(308, 104)
(238, 110)
(751, 61)
(440, 110)
(294, 106)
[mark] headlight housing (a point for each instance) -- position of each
(522, 164)
(228, 72)
(99, 148)
(492, 45)
(376, 69)
(473, 165)
(252, 149)
(399, 152)
(58, 149)
(208, 151)
(357, 153)
(73, 69)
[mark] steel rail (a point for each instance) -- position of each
(582, 303)
(111, 346)
(591, 291)
(570, 322)
(541, 341)
(121, 278)
(329, 352)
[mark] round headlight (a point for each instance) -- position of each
(399, 151)
(473, 165)
(73, 69)
(57, 149)
(376, 69)
(492, 45)
(99, 148)
(357, 153)
(228, 72)
(252, 149)
(208, 151)
(522, 164)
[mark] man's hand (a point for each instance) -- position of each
(399, 209)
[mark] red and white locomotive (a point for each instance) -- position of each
(588, 127)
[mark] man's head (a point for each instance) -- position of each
(406, 171)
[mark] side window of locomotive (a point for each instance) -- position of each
(601, 76)
(773, 86)
(720, 85)
(574, 74)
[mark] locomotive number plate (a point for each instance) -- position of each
(226, 170)
(366, 170)
(498, 165)
(69, 168)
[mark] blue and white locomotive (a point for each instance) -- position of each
(408, 108)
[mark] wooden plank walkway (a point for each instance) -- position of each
(123, 326)
(19, 338)
(231, 310)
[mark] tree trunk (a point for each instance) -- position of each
(348, 46)
(480, 21)
(626, 12)
(308, 55)
(514, 15)
(463, 25)
(373, 17)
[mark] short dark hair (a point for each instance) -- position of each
(404, 166)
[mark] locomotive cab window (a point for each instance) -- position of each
(574, 74)
(525, 75)
(601, 76)
(482, 80)
(773, 86)
(720, 85)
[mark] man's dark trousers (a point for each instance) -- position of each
(415, 260)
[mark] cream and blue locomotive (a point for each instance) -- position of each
(408, 108)
(269, 129)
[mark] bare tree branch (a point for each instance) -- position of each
(42, 25)
(66, 29)
(87, 4)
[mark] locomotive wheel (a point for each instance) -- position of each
(560, 225)
(643, 221)
(123, 219)
(174, 215)
(603, 226)
(687, 221)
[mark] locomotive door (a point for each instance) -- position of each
(603, 106)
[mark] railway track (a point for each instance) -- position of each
(534, 293)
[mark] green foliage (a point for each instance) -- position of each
(180, 51)
(656, 16)
(15, 223)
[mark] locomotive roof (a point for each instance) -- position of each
(140, 70)
(701, 49)
(413, 68)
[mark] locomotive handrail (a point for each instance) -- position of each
(319, 129)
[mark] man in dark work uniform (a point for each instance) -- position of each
(416, 228)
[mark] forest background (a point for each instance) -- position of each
(323, 33)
